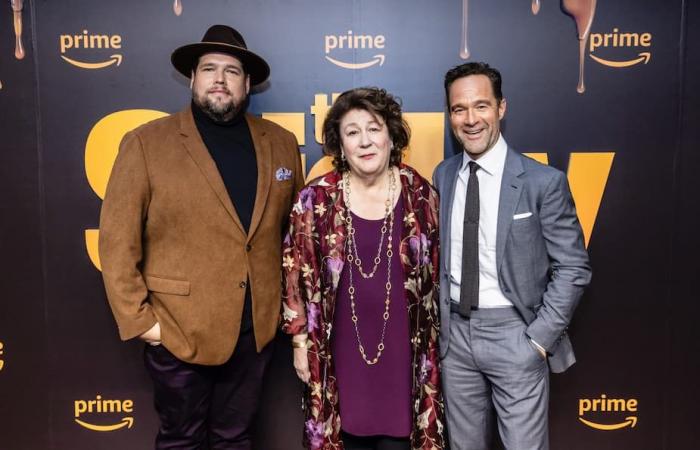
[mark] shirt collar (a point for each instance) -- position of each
(492, 162)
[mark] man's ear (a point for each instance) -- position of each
(502, 109)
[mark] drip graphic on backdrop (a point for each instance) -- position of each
(535, 6)
(620, 411)
(464, 44)
(582, 12)
(177, 7)
(17, 6)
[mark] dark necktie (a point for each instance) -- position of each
(469, 287)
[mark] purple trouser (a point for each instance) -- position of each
(207, 406)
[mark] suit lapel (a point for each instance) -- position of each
(198, 152)
(511, 189)
(263, 155)
(335, 200)
(410, 227)
(449, 184)
(334, 261)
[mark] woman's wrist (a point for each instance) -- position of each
(300, 340)
(297, 345)
(300, 337)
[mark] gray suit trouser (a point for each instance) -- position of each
(491, 363)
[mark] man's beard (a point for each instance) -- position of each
(218, 112)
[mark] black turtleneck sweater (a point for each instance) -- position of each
(232, 149)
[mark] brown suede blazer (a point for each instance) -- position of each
(173, 249)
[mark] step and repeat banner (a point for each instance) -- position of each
(606, 91)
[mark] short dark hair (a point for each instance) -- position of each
(375, 101)
(474, 68)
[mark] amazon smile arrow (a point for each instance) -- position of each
(376, 59)
(125, 422)
(629, 422)
(98, 65)
(643, 57)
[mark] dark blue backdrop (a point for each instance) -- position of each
(635, 332)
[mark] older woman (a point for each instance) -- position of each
(360, 265)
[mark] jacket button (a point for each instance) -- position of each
(241, 284)
(248, 247)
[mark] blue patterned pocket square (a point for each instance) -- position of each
(283, 174)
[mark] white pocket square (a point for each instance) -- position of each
(522, 216)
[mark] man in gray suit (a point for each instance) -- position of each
(513, 268)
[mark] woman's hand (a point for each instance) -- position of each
(301, 357)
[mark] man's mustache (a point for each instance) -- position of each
(217, 90)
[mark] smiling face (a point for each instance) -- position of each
(220, 86)
(475, 114)
(365, 142)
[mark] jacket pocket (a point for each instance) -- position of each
(167, 286)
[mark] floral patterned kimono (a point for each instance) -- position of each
(313, 258)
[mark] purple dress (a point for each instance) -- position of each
(376, 399)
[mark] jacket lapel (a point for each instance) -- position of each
(410, 227)
(447, 195)
(263, 155)
(413, 211)
(335, 198)
(511, 189)
(334, 261)
(198, 152)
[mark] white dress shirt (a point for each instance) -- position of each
(490, 173)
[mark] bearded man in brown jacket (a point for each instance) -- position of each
(190, 239)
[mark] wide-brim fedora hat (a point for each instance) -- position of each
(221, 39)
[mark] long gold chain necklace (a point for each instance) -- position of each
(353, 256)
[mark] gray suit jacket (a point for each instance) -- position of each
(542, 261)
